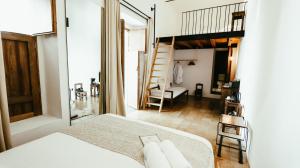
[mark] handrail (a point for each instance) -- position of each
(217, 19)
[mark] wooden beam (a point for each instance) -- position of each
(184, 44)
(205, 36)
(232, 41)
(213, 43)
(199, 43)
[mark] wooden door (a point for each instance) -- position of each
(22, 75)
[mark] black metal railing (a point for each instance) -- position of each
(225, 18)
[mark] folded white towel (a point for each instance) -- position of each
(154, 157)
(173, 155)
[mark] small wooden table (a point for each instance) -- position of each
(233, 122)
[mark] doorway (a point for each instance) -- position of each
(84, 57)
(220, 70)
(134, 47)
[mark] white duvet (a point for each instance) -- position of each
(62, 151)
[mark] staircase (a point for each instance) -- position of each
(159, 72)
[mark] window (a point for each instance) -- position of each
(28, 16)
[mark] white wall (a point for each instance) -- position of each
(83, 41)
(26, 16)
(169, 14)
(49, 75)
(269, 72)
(172, 13)
(132, 20)
(199, 73)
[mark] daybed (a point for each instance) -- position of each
(172, 93)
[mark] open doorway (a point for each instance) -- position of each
(220, 74)
(134, 48)
(84, 50)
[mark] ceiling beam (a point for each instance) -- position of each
(213, 43)
(199, 43)
(184, 44)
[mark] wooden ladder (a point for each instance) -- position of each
(161, 61)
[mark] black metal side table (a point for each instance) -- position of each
(238, 123)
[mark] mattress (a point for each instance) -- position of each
(63, 151)
(176, 92)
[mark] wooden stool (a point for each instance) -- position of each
(238, 16)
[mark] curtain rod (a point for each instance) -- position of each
(135, 10)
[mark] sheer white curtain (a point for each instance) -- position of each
(114, 80)
(147, 59)
(5, 136)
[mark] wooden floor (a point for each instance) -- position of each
(198, 117)
(84, 109)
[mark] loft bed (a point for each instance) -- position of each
(171, 94)
(215, 27)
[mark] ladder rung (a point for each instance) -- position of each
(150, 89)
(162, 58)
(154, 104)
(160, 64)
(157, 70)
(160, 52)
(155, 97)
(164, 46)
(156, 76)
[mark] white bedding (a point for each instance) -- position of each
(176, 92)
(63, 151)
(175, 131)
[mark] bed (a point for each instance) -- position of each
(171, 94)
(105, 141)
